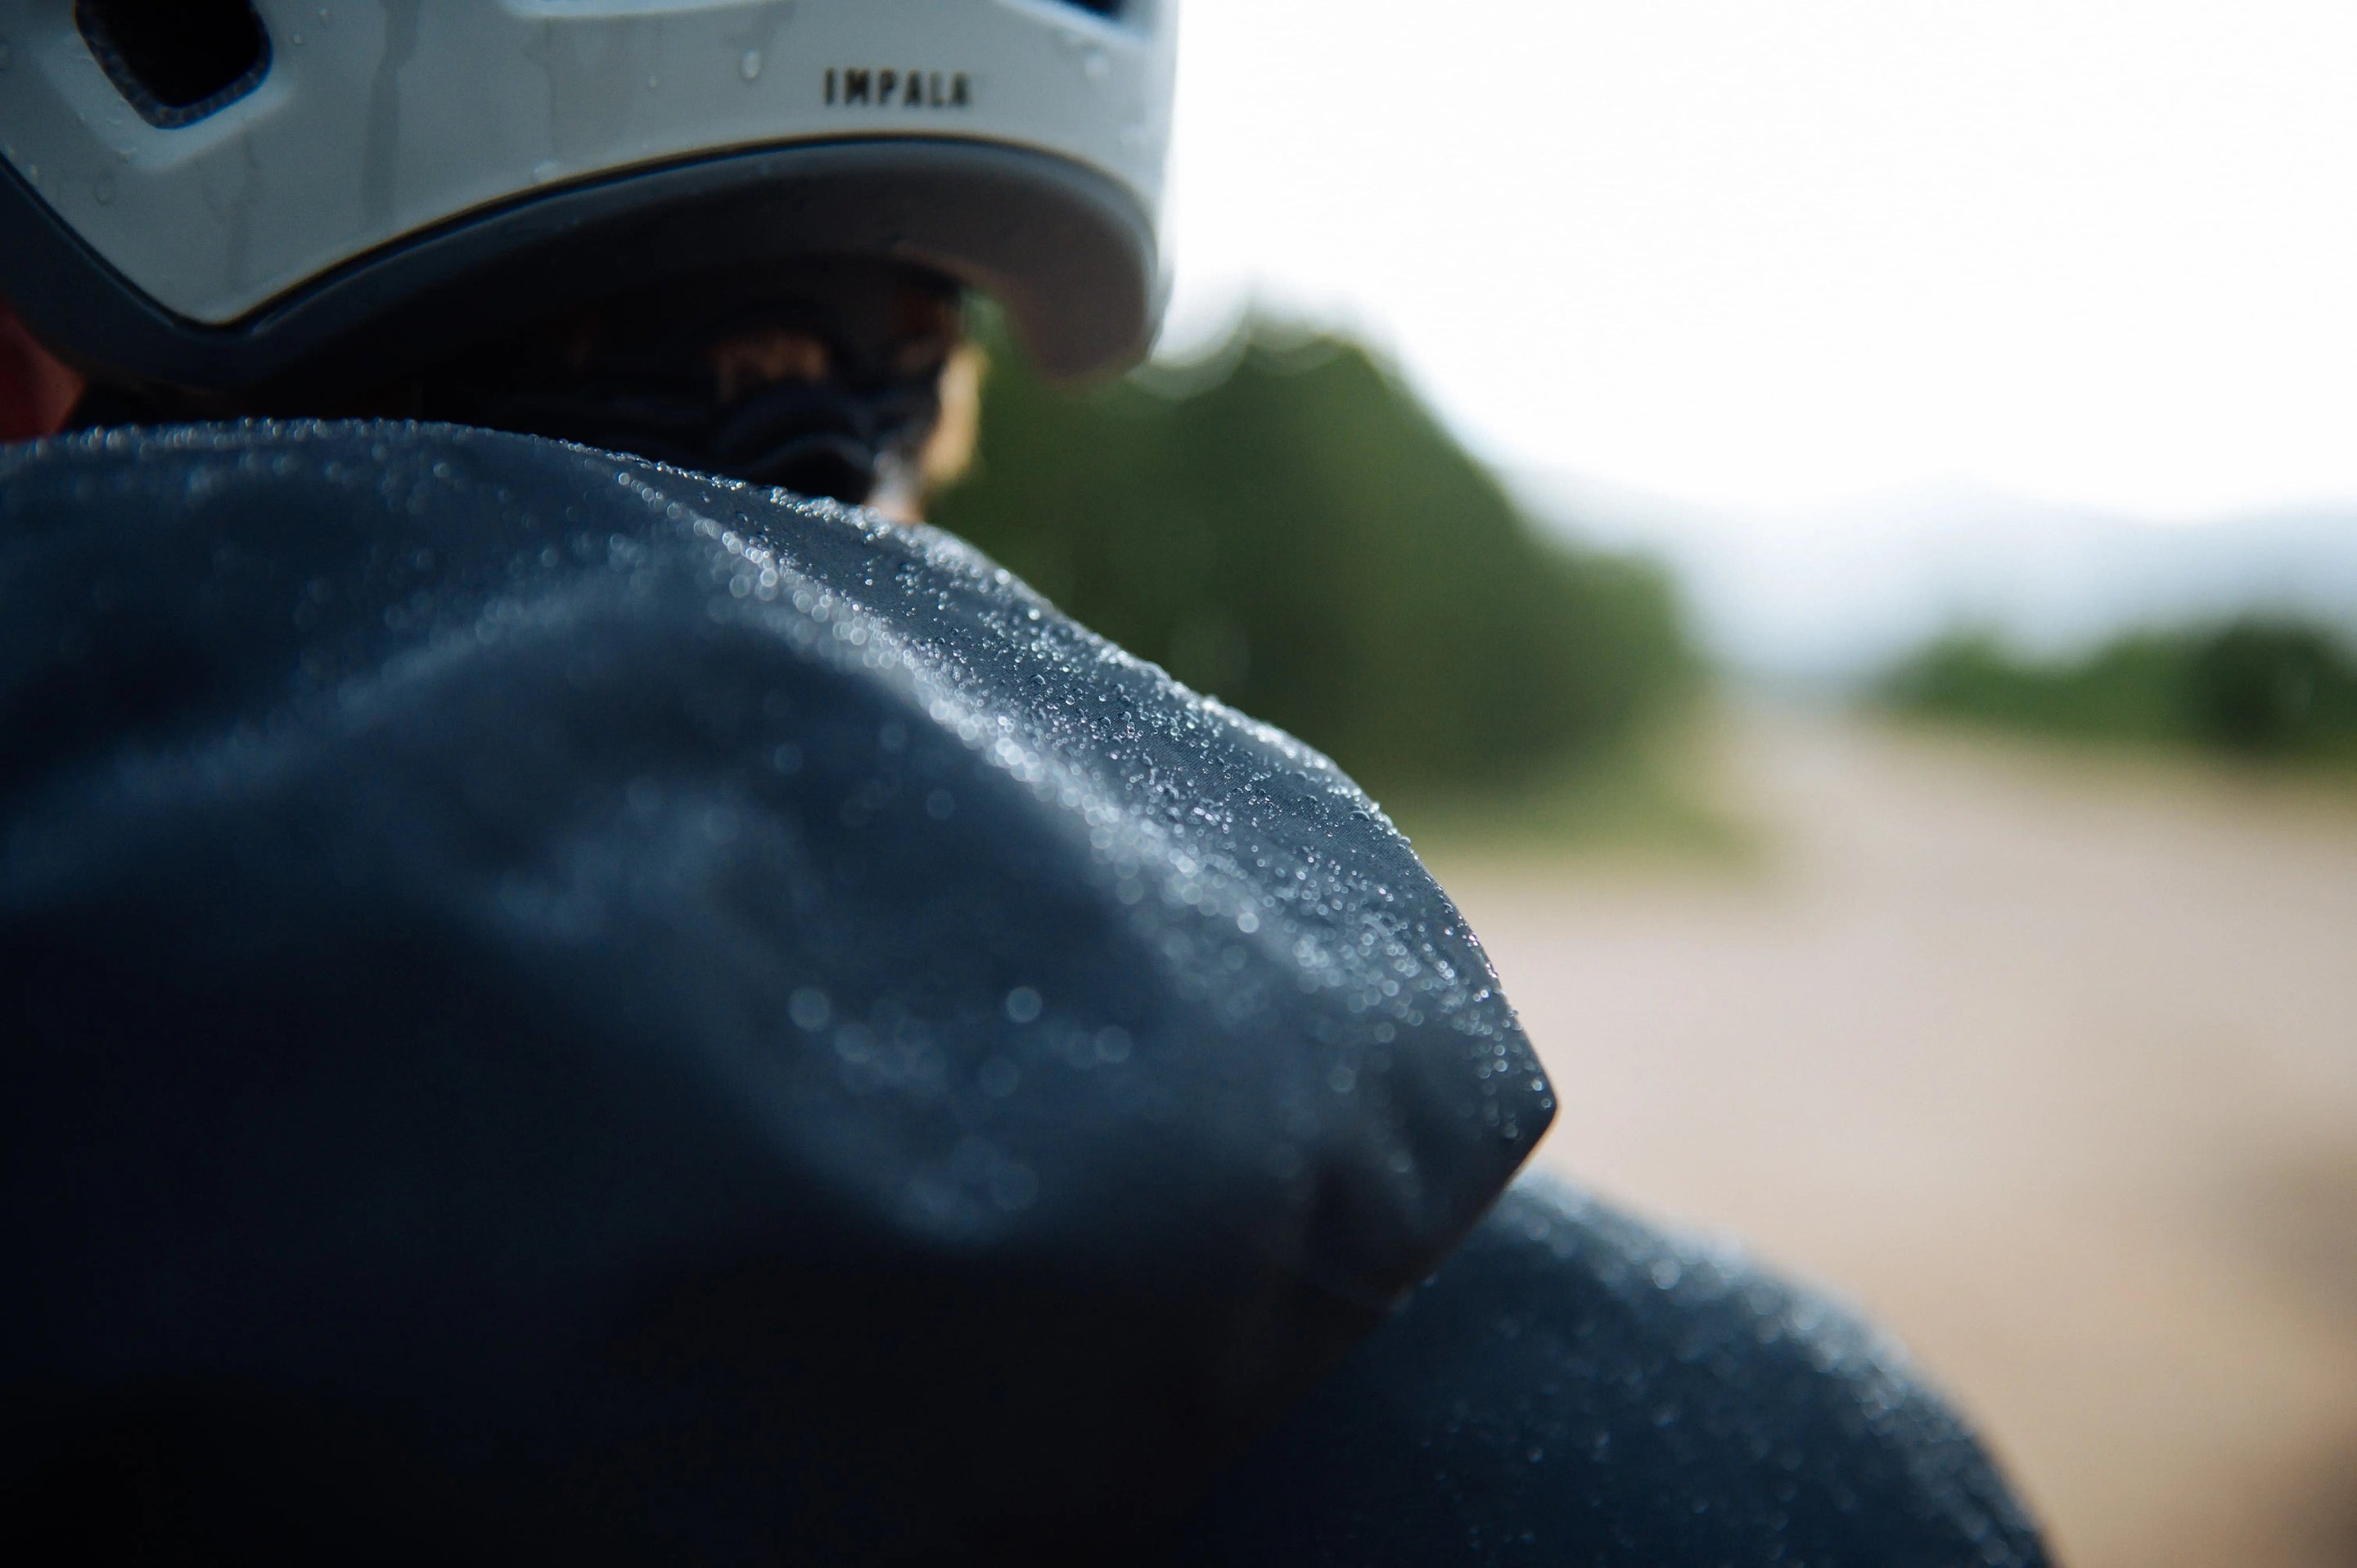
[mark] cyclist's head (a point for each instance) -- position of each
(733, 236)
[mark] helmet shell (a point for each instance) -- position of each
(395, 177)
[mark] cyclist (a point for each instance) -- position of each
(568, 998)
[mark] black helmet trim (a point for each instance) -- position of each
(1067, 249)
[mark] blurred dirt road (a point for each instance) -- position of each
(2049, 1062)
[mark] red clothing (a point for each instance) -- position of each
(37, 392)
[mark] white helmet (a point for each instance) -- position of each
(227, 197)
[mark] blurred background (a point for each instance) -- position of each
(1833, 526)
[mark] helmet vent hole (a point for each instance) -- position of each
(175, 61)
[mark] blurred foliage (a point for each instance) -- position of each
(1284, 526)
(1663, 796)
(2254, 688)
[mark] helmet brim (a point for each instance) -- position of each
(1068, 251)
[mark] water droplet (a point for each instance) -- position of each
(748, 66)
(544, 171)
(102, 188)
(1022, 1004)
(809, 1009)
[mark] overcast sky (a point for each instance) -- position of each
(1775, 251)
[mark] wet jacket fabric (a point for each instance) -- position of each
(1575, 1387)
(559, 1006)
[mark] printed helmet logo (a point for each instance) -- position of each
(886, 88)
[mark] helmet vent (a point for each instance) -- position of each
(175, 61)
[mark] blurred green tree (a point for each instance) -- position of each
(2257, 686)
(2270, 688)
(1284, 526)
